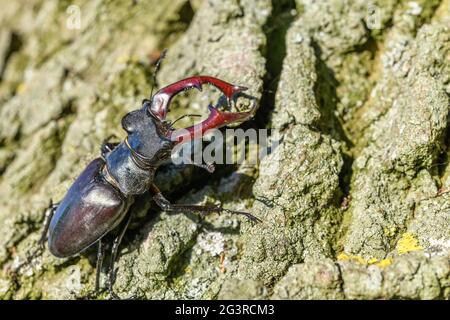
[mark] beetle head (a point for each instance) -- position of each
(148, 135)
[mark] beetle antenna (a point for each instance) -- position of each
(155, 72)
(184, 116)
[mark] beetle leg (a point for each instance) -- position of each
(216, 119)
(207, 166)
(107, 146)
(165, 204)
(161, 100)
(48, 214)
(114, 252)
(100, 257)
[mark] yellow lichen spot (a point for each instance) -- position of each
(21, 88)
(384, 263)
(372, 260)
(390, 231)
(126, 58)
(122, 59)
(358, 259)
(408, 243)
(343, 257)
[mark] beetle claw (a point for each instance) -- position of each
(216, 119)
(160, 101)
(114, 296)
(198, 86)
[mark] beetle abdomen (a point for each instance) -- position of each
(91, 208)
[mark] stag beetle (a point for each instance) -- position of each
(99, 199)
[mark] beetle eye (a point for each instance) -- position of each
(127, 123)
(146, 103)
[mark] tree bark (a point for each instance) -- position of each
(354, 201)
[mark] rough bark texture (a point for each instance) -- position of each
(358, 207)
